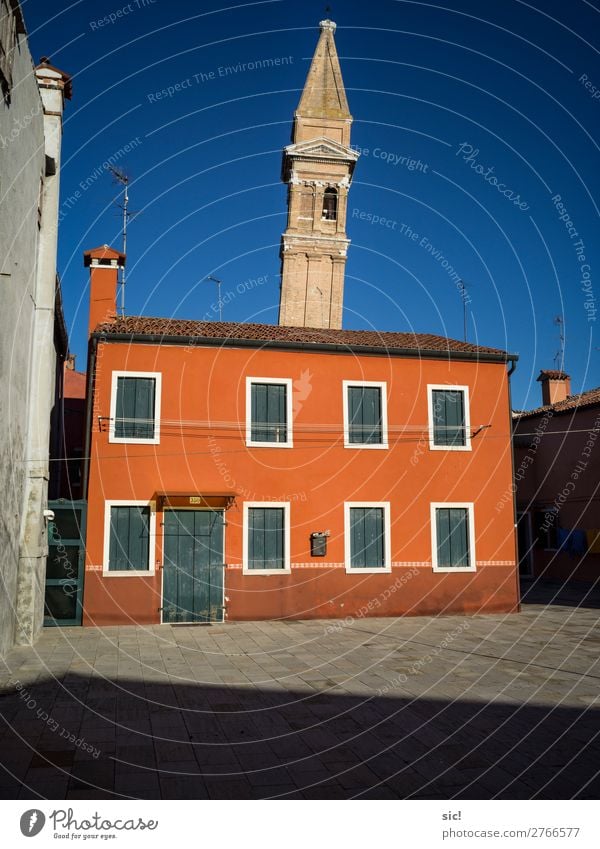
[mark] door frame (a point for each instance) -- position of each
(193, 509)
(525, 515)
(65, 504)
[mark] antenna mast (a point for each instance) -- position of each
(220, 302)
(462, 288)
(122, 178)
(559, 357)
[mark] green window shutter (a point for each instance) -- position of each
(452, 533)
(129, 538)
(364, 415)
(134, 414)
(269, 412)
(448, 417)
(357, 537)
(367, 538)
(354, 414)
(266, 533)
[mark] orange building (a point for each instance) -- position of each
(246, 471)
(252, 471)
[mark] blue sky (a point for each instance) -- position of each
(503, 91)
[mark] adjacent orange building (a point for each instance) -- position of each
(247, 471)
(557, 469)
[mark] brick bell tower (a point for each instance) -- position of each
(318, 168)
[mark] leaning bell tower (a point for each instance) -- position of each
(317, 168)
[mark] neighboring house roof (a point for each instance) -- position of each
(158, 329)
(573, 402)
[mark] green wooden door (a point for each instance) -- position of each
(193, 566)
(65, 563)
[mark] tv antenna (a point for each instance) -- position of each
(559, 357)
(219, 283)
(463, 289)
(123, 179)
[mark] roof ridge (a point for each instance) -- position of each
(254, 331)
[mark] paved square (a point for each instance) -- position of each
(446, 707)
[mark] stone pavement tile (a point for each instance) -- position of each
(46, 758)
(379, 792)
(491, 783)
(331, 790)
(291, 748)
(209, 757)
(178, 769)
(275, 776)
(176, 787)
(235, 788)
(133, 731)
(131, 758)
(318, 775)
(49, 784)
(138, 785)
(358, 777)
(257, 756)
(404, 781)
(14, 762)
(95, 774)
(282, 791)
(11, 791)
(168, 750)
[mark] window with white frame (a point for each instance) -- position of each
(129, 537)
(266, 547)
(449, 427)
(453, 537)
(135, 407)
(367, 537)
(269, 412)
(365, 414)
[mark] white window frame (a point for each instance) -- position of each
(467, 505)
(387, 538)
(155, 440)
(288, 383)
(382, 386)
(286, 542)
(129, 573)
(431, 387)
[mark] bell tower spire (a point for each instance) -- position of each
(318, 168)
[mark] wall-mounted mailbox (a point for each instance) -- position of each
(318, 543)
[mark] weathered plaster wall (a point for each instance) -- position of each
(21, 165)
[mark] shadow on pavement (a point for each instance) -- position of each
(565, 594)
(92, 737)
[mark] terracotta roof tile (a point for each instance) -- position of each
(551, 374)
(273, 333)
(573, 402)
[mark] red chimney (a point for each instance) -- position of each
(556, 386)
(104, 264)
